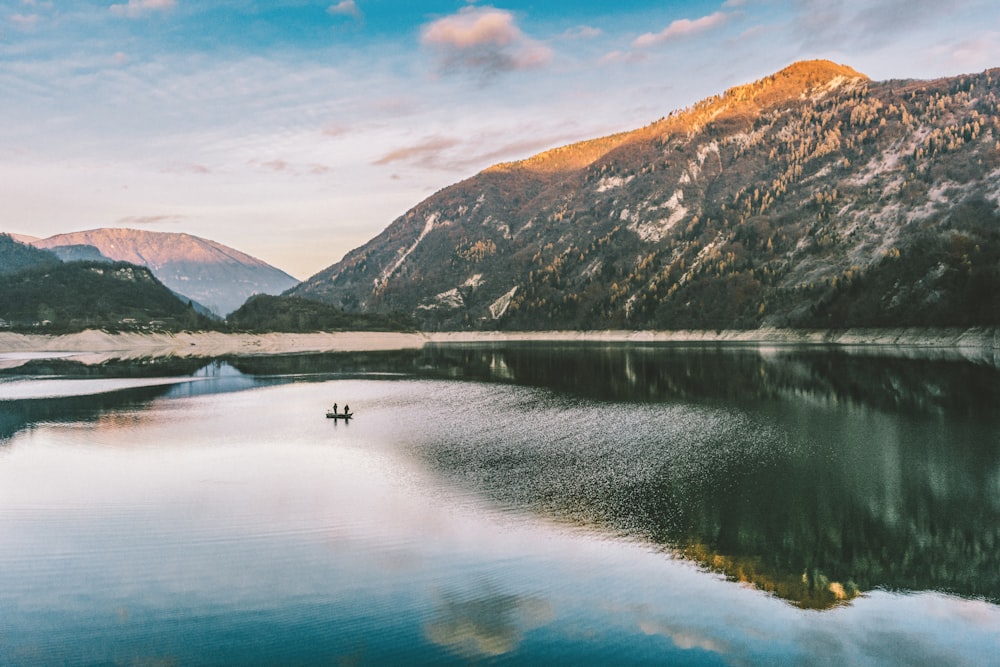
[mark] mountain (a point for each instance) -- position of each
(210, 273)
(814, 197)
(68, 297)
(16, 256)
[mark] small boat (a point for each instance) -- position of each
(330, 414)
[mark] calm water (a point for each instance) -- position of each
(503, 505)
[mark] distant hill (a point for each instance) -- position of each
(294, 314)
(79, 253)
(813, 197)
(207, 272)
(69, 297)
(16, 256)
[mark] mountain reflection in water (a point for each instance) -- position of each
(813, 474)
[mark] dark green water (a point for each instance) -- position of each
(518, 504)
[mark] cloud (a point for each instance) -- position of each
(151, 219)
(970, 53)
(622, 57)
(320, 169)
(484, 40)
(425, 154)
(138, 8)
(489, 147)
(275, 165)
(345, 8)
(583, 32)
(852, 25)
(681, 28)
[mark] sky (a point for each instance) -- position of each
(298, 130)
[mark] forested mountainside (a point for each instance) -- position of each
(16, 256)
(57, 298)
(814, 197)
(295, 314)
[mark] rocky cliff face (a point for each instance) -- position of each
(814, 197)
(210, 273)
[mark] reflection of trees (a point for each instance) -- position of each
(819, 526)
(112, 368)
(813, 475)
(718, 372)
(338, 363)
(18, 415)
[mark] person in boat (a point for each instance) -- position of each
(334, 408)
(347, 410)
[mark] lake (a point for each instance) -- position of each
(504, 504)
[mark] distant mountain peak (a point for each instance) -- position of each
(218, 276)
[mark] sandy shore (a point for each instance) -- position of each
(96, 346)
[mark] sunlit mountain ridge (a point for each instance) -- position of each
(814, 197)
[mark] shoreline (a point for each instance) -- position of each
(984, 338)
(93, 346)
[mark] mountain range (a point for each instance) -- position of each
(38, 291)
(814, 197)
(208, 273)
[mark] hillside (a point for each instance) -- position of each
(78, 295)
(265, 313)
(814, 197)
(16, 256)
(207, 272)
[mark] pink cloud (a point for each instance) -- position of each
(136, 8)
(151, 219)
(345, 8)
(484, 39)
(275, 165)
(473, 27)
(681, 28)
(426, 153)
